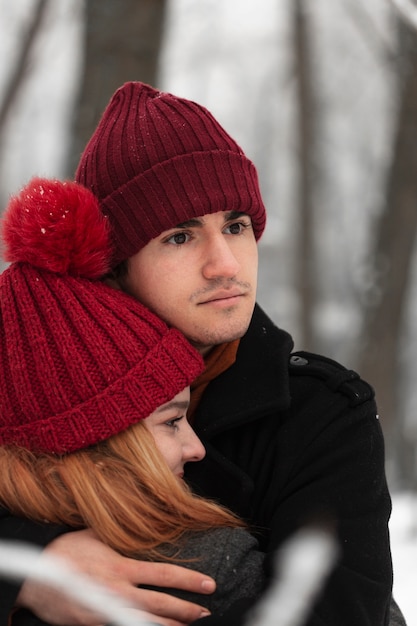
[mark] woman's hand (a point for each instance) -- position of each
(85, 552)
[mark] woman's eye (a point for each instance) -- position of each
(173, 423)
(178, 238)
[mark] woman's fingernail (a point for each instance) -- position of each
(208, 586)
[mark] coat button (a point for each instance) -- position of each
(298, 360)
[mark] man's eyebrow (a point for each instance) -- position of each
(182, 406)
(199, 221)
(233, 215)
(193, 222)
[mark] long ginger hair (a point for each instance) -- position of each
(121, 488)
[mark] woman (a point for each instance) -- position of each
(93, 397)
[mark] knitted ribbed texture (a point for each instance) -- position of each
(80, 361)
(157, 160)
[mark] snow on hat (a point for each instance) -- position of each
(80, 361)
(157, 160)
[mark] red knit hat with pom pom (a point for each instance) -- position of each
(79, 361)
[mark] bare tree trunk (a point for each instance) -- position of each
(392, 256)
(305, 257)
(122, 43)
(18, 73)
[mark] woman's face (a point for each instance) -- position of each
(173, 435)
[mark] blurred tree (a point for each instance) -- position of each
(122, 42)
(391, 260)
(305, 260)
(18, 71)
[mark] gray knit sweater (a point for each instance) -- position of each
(231, 557)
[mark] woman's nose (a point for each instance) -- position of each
(193, 449)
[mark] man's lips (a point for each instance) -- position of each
(225, 294)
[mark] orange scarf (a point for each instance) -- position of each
(217, 361)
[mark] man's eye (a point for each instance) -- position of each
(178, 238)
(236, 228)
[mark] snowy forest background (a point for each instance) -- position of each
(322, 96)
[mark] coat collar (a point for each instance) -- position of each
(256, 384)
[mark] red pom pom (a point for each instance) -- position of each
(57, 226)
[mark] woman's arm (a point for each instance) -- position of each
(123, 575)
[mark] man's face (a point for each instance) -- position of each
(200, 277)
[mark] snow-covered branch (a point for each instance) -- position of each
(302, 565)
(408, 10)
(19, 561)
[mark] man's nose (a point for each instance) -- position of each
(220, 260)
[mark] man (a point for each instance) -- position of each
(290, 438)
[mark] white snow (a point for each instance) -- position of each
(403, 528)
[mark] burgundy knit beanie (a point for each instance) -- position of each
(156, 160)
(80, 361)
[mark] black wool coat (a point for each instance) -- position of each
(293, 438)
